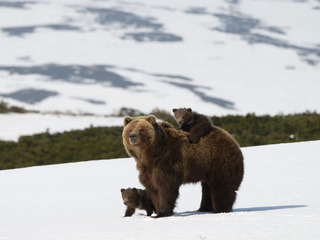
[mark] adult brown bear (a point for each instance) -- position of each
(166, 159)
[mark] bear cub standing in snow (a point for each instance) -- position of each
(136, 198)
(196, 124)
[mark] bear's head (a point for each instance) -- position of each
(131, 197)
(139, 132)
(183, 115)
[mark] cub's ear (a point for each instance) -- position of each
(174, 110)
(127, 119)
(189, 110)
(151, 119)
(122, 189)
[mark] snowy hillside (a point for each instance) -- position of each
(14, 125)
(279, 199)
(218, 57)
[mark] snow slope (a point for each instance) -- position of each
(13, 126)
(218, 57)
(279, 199)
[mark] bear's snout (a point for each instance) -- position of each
(125, 201)
(133, 137)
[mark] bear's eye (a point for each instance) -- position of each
(141, 130)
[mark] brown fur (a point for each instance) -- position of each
(196, 124)
(136, 198)
(166, 159)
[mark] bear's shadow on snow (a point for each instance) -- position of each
(268, 208)
(253, 209)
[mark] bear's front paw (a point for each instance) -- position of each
(162, 214)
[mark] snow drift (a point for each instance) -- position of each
(278, 199)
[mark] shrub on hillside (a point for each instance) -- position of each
(106, 142)
(5, 108)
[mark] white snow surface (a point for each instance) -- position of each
(278, 199)
(235, 57)
(13, 126)
(218, 57)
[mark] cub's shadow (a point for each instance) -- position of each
(253, 209)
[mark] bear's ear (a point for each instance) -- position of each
(151, 119)
(189, 110)
(127, 119)
(174, 110)
(122, 189)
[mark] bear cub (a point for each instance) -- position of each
(196, 124)
(136, 198)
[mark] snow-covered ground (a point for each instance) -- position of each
(13, 125)
(279, 199)
(218, 57)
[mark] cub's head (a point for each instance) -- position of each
(183, 115)
(139, 131)
(131, 197)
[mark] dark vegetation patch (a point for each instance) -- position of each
(23, 30)
(106, 16)
(74, 74)
(153, 37)
(106, 142)
(30, 95)
(16, 4)
(5, 108)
